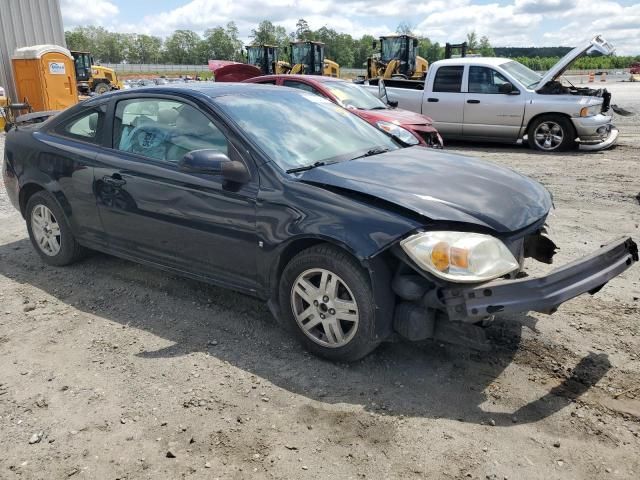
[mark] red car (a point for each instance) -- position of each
(409, 127)
(635, 69)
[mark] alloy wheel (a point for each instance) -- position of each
(46, 230)
(548, 135)
(324, 308)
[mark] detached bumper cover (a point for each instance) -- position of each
(543, 294)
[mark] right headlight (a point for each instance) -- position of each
(590, 111)
(460, 256)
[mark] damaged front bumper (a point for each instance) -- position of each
(595, 132)
(542, 294)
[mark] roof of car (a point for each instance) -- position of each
(317, 78)
(474, 61)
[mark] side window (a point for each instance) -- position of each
(448, 79)
(164, 130)
(85, 126)
(267, 82)
(300, 86)
(485, 80)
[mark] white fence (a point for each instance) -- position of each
(159, 67)
(154, 67)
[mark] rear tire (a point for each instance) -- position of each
(327, 302)
(102, 88)
(50, 232)
(551, 133)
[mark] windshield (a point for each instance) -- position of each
(297, 129)
(254, 56)
(301, 53)
(392, 48)
(524, 75)
(352, 95)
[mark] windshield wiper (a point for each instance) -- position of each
(306, 167)
(373, 151)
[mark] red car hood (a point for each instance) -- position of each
(394, 115)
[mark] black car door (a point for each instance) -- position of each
(66, 158)
(153, 211)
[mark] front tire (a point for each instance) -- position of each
(50, 232)
(551, 133)
(326, 300)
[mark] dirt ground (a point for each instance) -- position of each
(111, 370)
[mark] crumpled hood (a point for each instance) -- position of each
(397, 116)
(597, 43)
(442, 186)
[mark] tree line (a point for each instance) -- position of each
(184, 47)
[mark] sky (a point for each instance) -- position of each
(505, 22)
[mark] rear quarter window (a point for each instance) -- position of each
(448, 79)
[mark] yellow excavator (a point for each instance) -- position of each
(397, 58)
(307, 58)
(94, 78)
(265, 57)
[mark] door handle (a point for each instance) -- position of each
(432, 100)
(473, 101)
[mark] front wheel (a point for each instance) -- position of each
(551, 133)
(326, 300)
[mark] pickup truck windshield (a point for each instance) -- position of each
(350, 94)
(522, 74)
(299, 129)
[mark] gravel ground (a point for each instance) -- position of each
(111, 370)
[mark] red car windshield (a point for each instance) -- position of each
(352, 95)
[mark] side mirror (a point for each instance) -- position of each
(508, 89)
(214, 162)
(415, 42)
(374, 44)
(392, 103)
(382, 91)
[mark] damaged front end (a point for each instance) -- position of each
(453, 312)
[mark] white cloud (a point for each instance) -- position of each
(77, 12)
(505, 22)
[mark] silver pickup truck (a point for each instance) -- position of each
(501, 100)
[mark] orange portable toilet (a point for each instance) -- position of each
(45, 77)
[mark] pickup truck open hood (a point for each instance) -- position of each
(442, 186)
(597, 43)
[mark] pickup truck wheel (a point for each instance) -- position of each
(327, 301)
(551, 133)
(50, 232)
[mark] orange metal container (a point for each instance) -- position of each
(45, 77)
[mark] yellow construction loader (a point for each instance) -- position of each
(397, 58)
(265, 57)
(94, 78)
(307, 58)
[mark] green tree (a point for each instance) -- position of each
(472, 40)
(181, 47)
(486, 50)
(303, 32)
(144, 49)
(405, 28)
(221, 44)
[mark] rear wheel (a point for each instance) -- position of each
(102, 88)
(551, 133)
(50, 232)
(327, 301)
